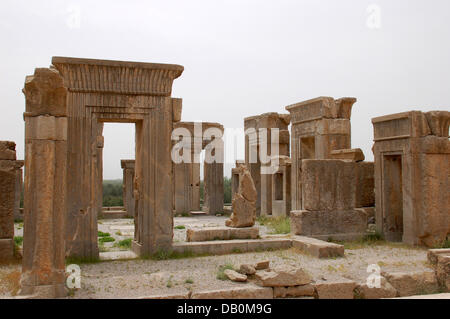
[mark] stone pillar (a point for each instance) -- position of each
(128, 189)
(213, 188)
(7, 195)
(18, 215)
(43, 266)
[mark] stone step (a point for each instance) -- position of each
(222, 247)
(221, 233)
(317, 248)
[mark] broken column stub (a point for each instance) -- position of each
(43, 265)
(244, 201)
(7, 199)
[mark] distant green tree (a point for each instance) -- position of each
(112, 193)
(227, 190)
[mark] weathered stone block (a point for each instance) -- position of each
(413, 283)
(443, 271)
(293, 291)
(328, 185)
(221, 233)
(317, 248)
(235, 276)
(7, 150)
(386, 290)
(339, 289)
(355, 154)
(313, 224)
(247, 292)
(283, 276)
(7, 198)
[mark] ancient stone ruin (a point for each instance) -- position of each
(412, 169)
(8, 167)
(308, 175)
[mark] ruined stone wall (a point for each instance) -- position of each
(8, 168)
(412, 184)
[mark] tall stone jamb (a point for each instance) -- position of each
(18, 212)
(412, 169)
(128, 186)
(43, 266)
(7, 199)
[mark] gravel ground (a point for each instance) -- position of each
(137, 278)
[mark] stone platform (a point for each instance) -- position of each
(221, 233)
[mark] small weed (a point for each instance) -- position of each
(179, 227)
(106, 239)
(119, 233)
(278, 225)
(169, 283)
(18, 240)
(221, 272)
(124, 244)
(189, 281)
(102, 234)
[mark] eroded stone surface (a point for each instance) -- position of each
(283, 276)
(413, 283)
(293, 291)
(386, 290)
(338, 289)
(244, 209)
(235, 276)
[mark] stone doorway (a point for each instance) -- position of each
(393, 197)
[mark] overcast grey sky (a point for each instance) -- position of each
(241, 57)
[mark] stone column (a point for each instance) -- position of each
(43, 266)
(213, 188)
(7, 194)
(19, 184)
(128, 182)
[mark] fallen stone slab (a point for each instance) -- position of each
(317, 248)
(262, 265)
(293, 291)
(283, 276)
(443, 271)
(337, 289)
(433, 254)
(247, 292)
(386, 290)
(413, 283)
(247, 269)
(221, 233)
(235, 276)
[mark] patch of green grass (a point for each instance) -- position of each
(124, 244)
(180, 227)
(189, 281)
(277, 225)
(102, 234)
(221, 272)
(18, 240)
(169, 283)
(443, 244)
(106, 239)
(372, 239)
